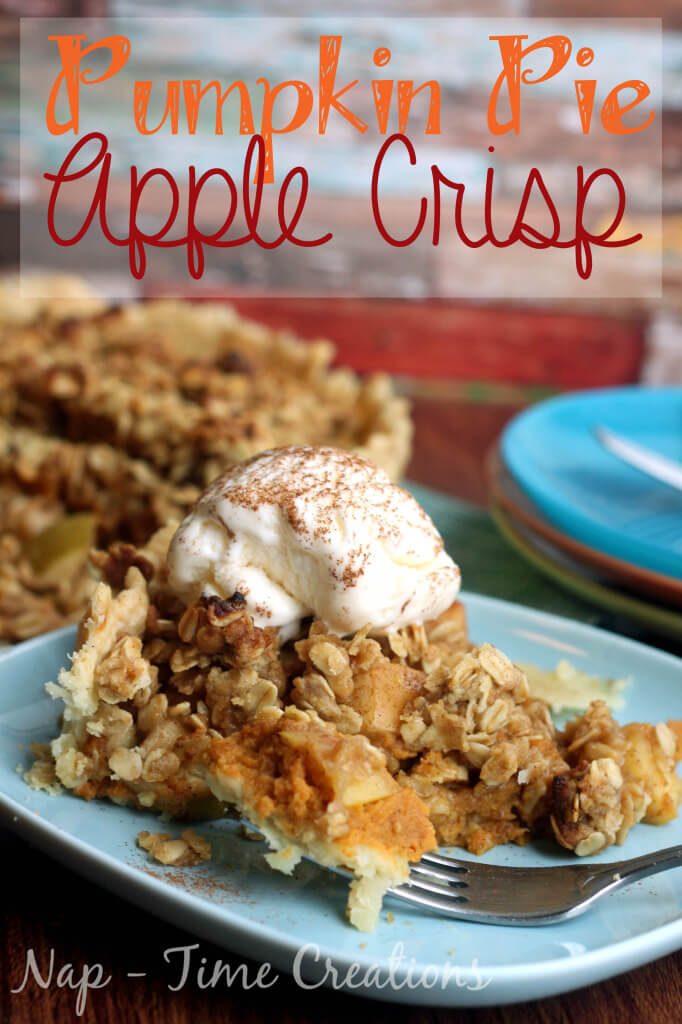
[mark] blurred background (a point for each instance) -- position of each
(468, 363)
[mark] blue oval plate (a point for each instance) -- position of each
(586, 491)
(297, 923)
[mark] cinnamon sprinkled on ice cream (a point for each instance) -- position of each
(304, 531)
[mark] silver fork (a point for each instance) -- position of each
(470, 891)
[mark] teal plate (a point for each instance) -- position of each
(297, 924)
(587, 492)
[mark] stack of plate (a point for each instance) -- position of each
(595, 524)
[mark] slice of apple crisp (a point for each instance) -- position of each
(315, 792)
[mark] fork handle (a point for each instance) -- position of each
(619, 873)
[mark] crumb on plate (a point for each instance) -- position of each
(188, 850)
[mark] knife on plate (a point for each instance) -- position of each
(660, 467)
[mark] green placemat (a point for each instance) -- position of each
(490, 566)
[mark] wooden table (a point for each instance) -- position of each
(45, 907)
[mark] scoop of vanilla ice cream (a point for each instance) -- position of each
(304, 531)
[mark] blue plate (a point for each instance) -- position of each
(586, 491)
(297, 924)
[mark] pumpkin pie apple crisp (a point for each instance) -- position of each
(296, 649)
(317, 792)
(125, 414)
